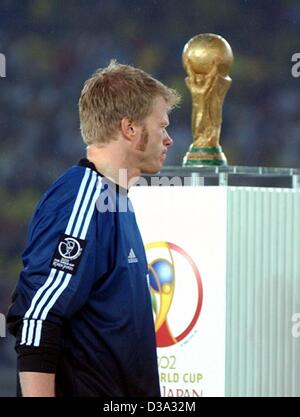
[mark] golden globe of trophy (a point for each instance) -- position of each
(207, 59)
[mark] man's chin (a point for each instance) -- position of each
(151, 171)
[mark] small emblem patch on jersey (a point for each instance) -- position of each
(68, 254)
(131, 257)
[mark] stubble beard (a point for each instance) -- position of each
(144, 140)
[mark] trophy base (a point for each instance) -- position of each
(198, 157)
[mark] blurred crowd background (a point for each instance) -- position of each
(52, 46)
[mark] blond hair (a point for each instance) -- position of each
(115, 92)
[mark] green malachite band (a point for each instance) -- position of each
(204, 162)
(212, 149)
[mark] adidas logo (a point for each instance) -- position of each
(131, 257)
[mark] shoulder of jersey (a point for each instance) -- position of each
(64, 190)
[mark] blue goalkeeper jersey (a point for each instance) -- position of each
(82, 306)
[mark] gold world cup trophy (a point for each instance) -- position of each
(207, 59)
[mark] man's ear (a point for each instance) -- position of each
(129, 128)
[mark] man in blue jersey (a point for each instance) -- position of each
(81, 311)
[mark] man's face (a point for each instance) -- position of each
(154, 141)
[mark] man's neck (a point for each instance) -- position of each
(113, 165)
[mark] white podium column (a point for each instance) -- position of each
(263, 292)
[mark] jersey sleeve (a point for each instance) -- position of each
(58, 273)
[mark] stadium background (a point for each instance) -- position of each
(51, 47)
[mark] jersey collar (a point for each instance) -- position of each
(84, 162)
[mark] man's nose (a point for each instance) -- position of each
(168, 141)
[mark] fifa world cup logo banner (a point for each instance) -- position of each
(187, 286)
(176, 292)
